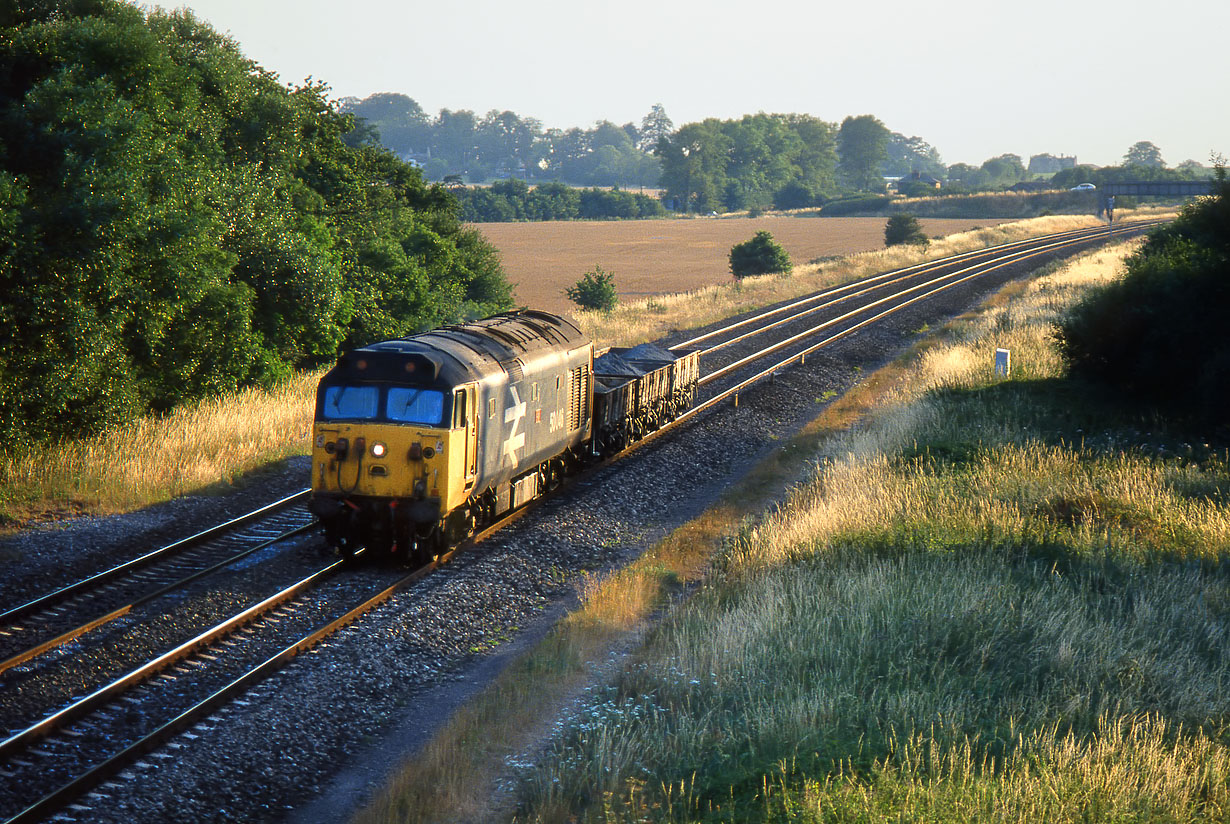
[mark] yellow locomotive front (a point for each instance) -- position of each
(392, 450)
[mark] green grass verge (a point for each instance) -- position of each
(995, 600)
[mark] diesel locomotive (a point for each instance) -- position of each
(420, 441)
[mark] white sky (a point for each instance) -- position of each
(975, 78)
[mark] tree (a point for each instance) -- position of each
(1151, 334)
(911, 154)
(759, 256)
(1004, 170)
(694, 164)
(746, 163)
(1144, 153)
(862, 146)
(965, 176)
(595, 291)
(655, 126)
(902, 229)
(176, 222)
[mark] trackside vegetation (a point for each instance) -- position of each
(176, 223)
(594, 291)
(761, 255)
(996, 599)
(1152, 334)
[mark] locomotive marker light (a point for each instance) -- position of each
(379, 450)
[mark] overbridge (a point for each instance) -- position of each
(1143, 188)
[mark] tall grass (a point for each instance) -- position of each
(157, 458)
(997, 599)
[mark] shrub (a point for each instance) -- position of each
(596, 290)
(794, 196)
(759, 256)
(903, 228)
(1153, 334)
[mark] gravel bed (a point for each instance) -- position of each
(378, 688)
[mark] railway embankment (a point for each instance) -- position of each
(956, 594)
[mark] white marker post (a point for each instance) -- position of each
(1002, 362)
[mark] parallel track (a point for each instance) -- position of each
(56, 618)
(71, 751)
(909, 286)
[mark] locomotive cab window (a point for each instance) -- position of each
(413, 405)
(491, 407)
(351, 402)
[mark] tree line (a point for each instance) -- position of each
(760, 161)
(514, 199)
(175, 222)
(463, 146)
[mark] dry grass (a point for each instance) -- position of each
(190, 450)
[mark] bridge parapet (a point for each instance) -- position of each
(1145, 188)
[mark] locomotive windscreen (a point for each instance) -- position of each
(395, 404)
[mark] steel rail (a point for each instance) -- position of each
(915, 268)
(102, 577)
(735, 390)
(89, 703)
(977, 268)
(65, 637)
(921, 269)
(116, 762)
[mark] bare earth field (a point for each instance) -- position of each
(650, 257)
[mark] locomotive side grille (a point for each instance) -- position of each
(579, 396)
(514, 370)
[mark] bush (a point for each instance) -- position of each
(794, 196)
(596, 290)
(903, 228)
(759, 256)
(1153, 335)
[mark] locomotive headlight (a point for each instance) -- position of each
(379, 450)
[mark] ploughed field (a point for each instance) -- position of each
(651, 257)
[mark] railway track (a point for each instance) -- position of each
(817, 321)
(79, 745)
(73, 749)
(41, 625)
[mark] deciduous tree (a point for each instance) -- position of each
(1144, 153)
(862, 146)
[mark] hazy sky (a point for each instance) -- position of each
(973, 78)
